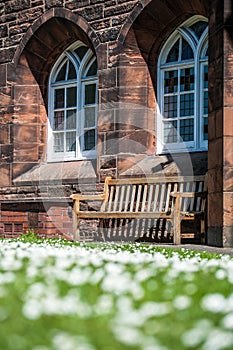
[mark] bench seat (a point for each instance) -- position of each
(175, 199)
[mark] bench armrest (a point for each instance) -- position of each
(77, 197)
(91, 197)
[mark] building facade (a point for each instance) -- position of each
(122, 88)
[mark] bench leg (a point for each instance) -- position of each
(177, 221)
(76, 221)
(102, 228)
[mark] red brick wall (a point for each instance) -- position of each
(18, 219)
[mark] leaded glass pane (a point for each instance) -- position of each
(89, 117)
(205, 105)
(90, 94)
(187, 130)
(58, 142)
(93, 69)
(186, 105)
(205, 77)
(71, 119)
(170, 132)
(59, 98)
(205, 129)
(170, 81)
(173, 54)
(81, 51)
(187, 51)
(62, 73)
(71, 72)
(199, 28)
(58, 120)
(89, 140)
(70, 141)
(170, 106)
(71, 97)
(187, 79)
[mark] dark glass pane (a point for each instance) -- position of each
(58, 120)
(59, 98)
(92, 70)
(70, 141)
(71, 97)
(187, 79)
(187, 52)
(71, 119)
(170, 81)
(186, 105)
(170, 106)
(207, 53)
(205, 105)
(205, 77)
(89, 117)
(199, 28)
(205, 131)
(187, 130)
(58, 142)
(89, 140)
(62, 73)
(173, 55)
(90, 94)
(81, 51)
(170, 132)
(71, 72)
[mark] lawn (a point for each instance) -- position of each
(57, 295)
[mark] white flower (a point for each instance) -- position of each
(218, 340)
(182, 302)
(215, 303)
(227, 321)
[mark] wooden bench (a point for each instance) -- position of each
(171, 198)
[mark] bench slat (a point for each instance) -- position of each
(127, 198)
(144, 198)
(138, 199)
(132, 198)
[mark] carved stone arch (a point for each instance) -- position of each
(62, 14)
(47, 38)
(152, 21)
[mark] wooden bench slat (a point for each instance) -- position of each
(132, 198)
(151, 190)
(144, 198)
(127, 197)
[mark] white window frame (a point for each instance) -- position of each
(82, 68)
(199, 48)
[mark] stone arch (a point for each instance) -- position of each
(47, 38)
(43, 43)
(56, 13)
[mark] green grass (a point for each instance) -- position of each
(59, 295)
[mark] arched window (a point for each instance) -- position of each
(183, 89)
(73, 105)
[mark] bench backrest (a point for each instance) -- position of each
(151, 194)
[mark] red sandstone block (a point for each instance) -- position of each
(228, 208)
(215, 212)
(228, 122)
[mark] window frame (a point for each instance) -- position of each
(199, 47)
(81, 66)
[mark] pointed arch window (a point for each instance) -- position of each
(73, 105)
(183, 89)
